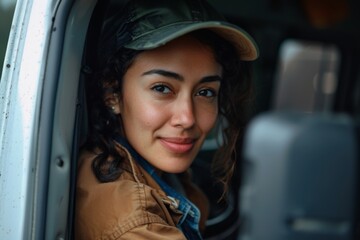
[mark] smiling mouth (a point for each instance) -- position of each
(178, 145)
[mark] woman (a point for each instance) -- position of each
(169, 71)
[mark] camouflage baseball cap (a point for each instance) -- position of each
(148, 24)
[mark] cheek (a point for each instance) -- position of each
(207, 119)
(150, 117)
(141, 114)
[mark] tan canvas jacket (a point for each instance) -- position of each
(132, 207)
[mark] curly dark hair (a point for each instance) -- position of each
(234, 95)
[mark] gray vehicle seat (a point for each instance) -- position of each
(301, 175)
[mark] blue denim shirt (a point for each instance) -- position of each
(189, 222)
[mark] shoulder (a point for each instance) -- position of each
(85, 175)
(125, 206)
(111, 207)
(122, 207)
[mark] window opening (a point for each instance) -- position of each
(307, 76)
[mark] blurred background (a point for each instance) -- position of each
(7, 8)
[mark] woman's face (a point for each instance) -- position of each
(169, 102)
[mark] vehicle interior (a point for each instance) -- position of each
(297, 169)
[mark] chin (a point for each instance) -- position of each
(176, 169)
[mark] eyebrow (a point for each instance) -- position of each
(177, 76)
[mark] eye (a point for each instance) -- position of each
(161, 88)
(209, 93)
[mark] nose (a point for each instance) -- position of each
(183, 113)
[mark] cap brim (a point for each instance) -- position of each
(242, 41)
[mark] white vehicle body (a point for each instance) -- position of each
(38, 104)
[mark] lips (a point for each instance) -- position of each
(178, 145)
